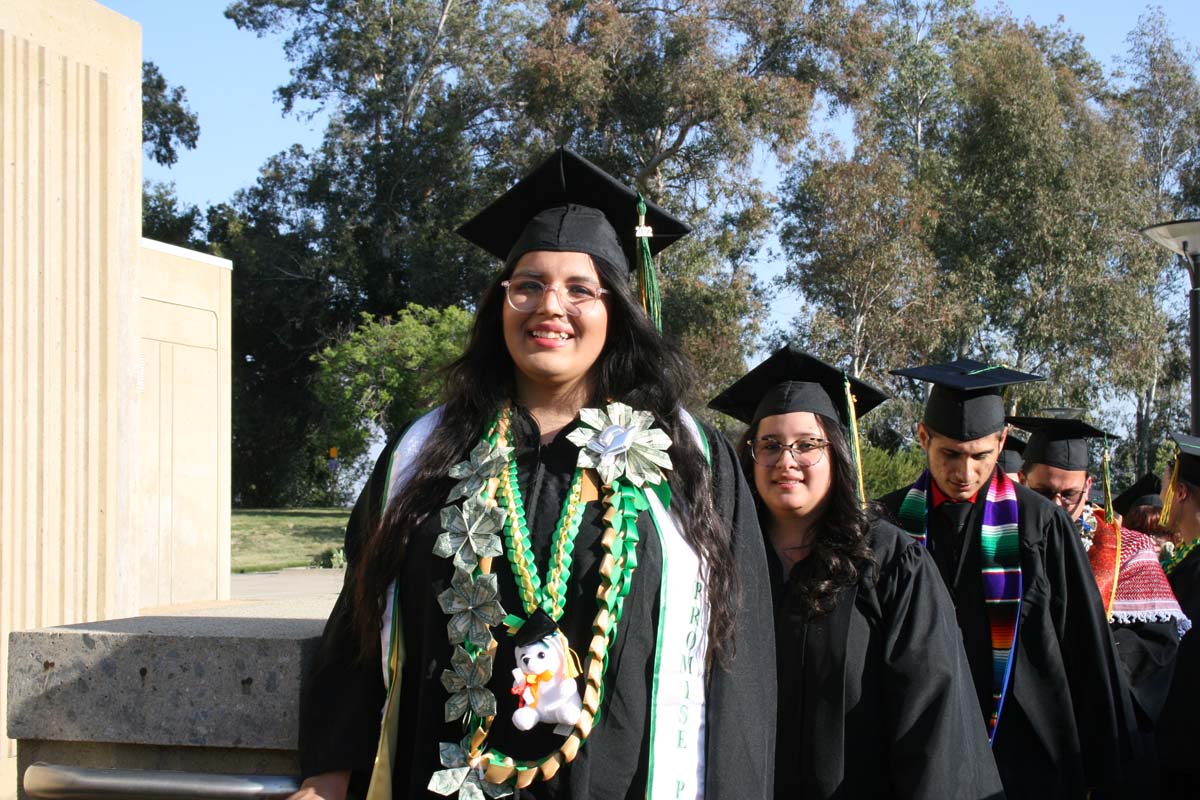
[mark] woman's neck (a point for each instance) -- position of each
(553, 407)
(792, 537)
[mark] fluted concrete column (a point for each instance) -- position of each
(70, 229)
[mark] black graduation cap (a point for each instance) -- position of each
(1010, 458)
(569, 204)
(1188, 457)
(533, 630)
(792, 380)
(1145, 492)
(1058, 442)
(965, 402)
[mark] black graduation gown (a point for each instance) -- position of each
(1146, 651)
(1066, 721)
(1146, 654)
(341, 711)
(1178, 730)
(875, 696)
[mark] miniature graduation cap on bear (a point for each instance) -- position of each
(1145, 492)
(965, 402)
(1058, 442)
(568, 204)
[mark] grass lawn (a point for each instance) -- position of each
(271, 539)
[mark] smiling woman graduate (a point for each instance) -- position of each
(875, 697)
(557, 587)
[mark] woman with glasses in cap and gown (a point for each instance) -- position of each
(556, 587)
(875, 698)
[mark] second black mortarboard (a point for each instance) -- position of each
(965, 402)
(568, 204)
(1188, 457)
(1145, 492)
(792, 380)
(1057, 442)
(1186, 468)
(1010, 458)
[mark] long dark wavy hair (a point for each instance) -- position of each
(637, 366)
(841, 555)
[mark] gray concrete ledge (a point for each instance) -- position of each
(199, 681)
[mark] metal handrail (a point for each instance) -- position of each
(58, 782)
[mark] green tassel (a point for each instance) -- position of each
(647, 278)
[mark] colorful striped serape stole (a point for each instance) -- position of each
(1001, 571)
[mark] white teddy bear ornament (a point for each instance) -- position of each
(544, 682)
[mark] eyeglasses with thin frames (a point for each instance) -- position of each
(805, 452)
(1068, 496)
(526, 295)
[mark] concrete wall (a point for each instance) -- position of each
(182, 490)
(114, 350)
(70, 228)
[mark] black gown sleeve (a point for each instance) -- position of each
(937, 742)
(742, 692)
(1103, 714)
(1147, 655)
(344, 692)
(1178, 731)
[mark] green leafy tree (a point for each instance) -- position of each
(167, 122)
(1161, 100)
(166, 219)
(285, 301)
(885, 471)
(856, 235)
(1039, 214)
(383, 373)
(914, 97)
(416, 88)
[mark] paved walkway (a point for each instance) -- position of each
(286, 594)
(285, 583)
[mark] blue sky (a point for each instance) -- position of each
(230, 76)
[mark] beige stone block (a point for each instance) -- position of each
(70, 220)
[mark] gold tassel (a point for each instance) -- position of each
(573, 667)
(855, 448)
(1169, 498)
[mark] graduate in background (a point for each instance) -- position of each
(1140, 507)
(1143, 614)
(1037, 642)
(875, 697)
(1011, 457)
(1178, 731)
(561, 487)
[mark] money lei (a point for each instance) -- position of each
(620, 444)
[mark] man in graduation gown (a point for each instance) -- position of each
(1144, 617)
(1178, 731)
(1033, 626)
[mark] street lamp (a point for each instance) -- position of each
(1182, 237)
